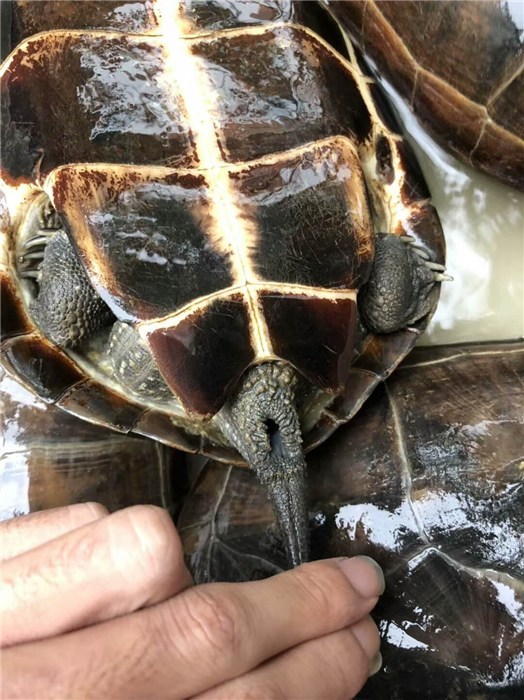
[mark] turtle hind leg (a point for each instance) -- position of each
(67, 308)
(398, 291)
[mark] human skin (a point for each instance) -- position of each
(102, 606)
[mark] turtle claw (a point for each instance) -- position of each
(439, 277)
(31, 256)
(31, 274)
(420, 252)
(435, 267)
(36, 241)
(32, 253)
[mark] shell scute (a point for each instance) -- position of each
(44, 368)
(316, 335)
(109, 119)
(97, 404)
(13, 316)
(278, 88)
(204, 354)
(143, 235)
(308, 206)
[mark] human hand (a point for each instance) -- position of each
(102, 606)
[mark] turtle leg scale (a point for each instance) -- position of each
(398, 292)
(67, 308)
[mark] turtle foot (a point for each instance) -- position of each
(399, 291)
(67, 308)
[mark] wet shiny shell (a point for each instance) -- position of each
(428, 479)
(94, 117)
(459, 65)
(50, 458)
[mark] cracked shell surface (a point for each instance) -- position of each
(428, 479)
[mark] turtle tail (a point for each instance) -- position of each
(262, 423)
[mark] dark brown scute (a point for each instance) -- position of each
(46, 15)
(203, 356)
(44, 368)
(452, 27)
(310, 210)
(378, 358)
(381, 352)
(145, 238)
(13, 316)
(159, 426)
(315, 335)
(93, 402)
(265, 109)
(223, 454)
(79, 76)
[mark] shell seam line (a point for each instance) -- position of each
(405, 465)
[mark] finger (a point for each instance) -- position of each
(204, 636)
(113, 566)
(28, 531)
(334, 666)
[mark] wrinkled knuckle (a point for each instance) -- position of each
(214, 620)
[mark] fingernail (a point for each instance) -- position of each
(376, 665)
(364, 574)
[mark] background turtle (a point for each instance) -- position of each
(460, 65)
(50, 458)
(195, 195)
(428, 479)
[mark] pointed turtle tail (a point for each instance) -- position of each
(262, 423)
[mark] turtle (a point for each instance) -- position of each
(475, 112)
(51, 458)
(428, 479)
(214, 233)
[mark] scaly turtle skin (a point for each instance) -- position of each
(459, 65)
(213, 234)
(428, 479)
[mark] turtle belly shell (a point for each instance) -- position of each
(226, 239)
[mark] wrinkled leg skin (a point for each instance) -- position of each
(397, 293)
(67, 307)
